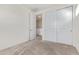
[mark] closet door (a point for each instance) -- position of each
(64, 25)
(50, 26)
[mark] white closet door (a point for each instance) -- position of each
(64, 25)
(32, 26)
(50, 26)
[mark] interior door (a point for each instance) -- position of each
(64, 25)
(32, 26)
(50, 26)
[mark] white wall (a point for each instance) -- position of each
(76, 32)
(75, 28)
(14, 25)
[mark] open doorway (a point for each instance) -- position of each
(39, 27)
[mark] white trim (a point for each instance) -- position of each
(51, 9)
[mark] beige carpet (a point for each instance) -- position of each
(40, 47)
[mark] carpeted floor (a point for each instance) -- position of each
(40, 47)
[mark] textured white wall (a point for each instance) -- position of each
(14, 25)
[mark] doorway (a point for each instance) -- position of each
(39, 27)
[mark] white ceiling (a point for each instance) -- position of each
(39, 7)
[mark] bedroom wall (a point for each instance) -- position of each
(76, 32)
(14, 25)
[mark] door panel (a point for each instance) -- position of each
(32, 26)
(64, 25)
(50, 26)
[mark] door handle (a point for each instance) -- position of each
(30, 29)
(70, 30)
